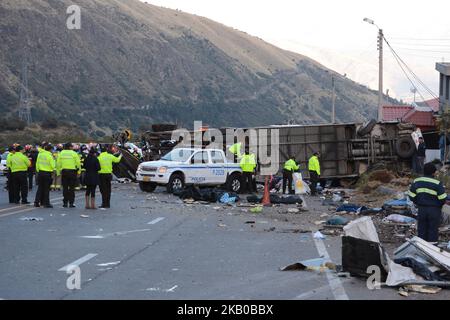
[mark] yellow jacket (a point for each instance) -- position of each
(248, 163)
(291, 165)
(314, 164)
(69, 160)
(236, 149)
(106, 162)
(45, 162)
(18, 162)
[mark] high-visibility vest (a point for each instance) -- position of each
(82, 158)
(10, 154)
(290, 165)
(106, 162)
(248, 163)
(236, 149)
(18, 162)
(45, 162)
(314, 164)
(67, 160)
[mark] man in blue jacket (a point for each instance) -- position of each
(428, 194)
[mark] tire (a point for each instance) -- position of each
(367, 127)
(147, 186)
(176, 181)
(405, 147)
(234, 183)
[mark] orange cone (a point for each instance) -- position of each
(266, 198)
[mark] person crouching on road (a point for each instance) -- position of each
(289, 168)
(314, 172)
(105, 175)
(19, 164)
(428, 194)
(68, 165)
(248, 165)
(45, 165)
(91, 178)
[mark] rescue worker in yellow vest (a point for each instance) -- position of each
(68, 165)
(19, 164)
(248, 165)
(290, 167)
(9, 182)
(314, 172)
(429, 195)
(235, 149)
(45, 165)
(106, 160)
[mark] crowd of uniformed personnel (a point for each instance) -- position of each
(69, 166)
(248, 163)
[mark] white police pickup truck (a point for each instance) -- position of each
(189, 166)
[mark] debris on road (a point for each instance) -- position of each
(258, 209)
(31, 219)
(337, 221)
(400, 219)
(84, 216)
(319, 235)
(318, 264)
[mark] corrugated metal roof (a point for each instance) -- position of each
(408, 114)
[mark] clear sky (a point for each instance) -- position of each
(333, 32)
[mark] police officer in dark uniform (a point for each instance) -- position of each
(428, 194)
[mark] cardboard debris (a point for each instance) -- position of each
(423, 289)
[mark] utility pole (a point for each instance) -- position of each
(333, 107)
(380, 68)
(380, 76)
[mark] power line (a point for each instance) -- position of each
(422, 44)
(423, 50)
(401, 63)
(422, 39)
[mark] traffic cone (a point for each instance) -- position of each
(266, 198)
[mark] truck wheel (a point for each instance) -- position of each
(147, 186)
(405, 147)
(176, 182)
(234, 183)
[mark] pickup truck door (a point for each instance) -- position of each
(217, 167)
(199, 171)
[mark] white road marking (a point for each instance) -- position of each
(24, 210)
(165, 290)
(314, 292)
(108, 264)
(334, 282)
(156, 220)
(172, 289)
(15, 207)
(118, 233)
(78, 262)
(15, 212)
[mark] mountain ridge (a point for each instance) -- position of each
(133, 64)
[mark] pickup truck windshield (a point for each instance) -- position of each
(180, 155)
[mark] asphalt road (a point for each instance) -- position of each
(152, 246)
